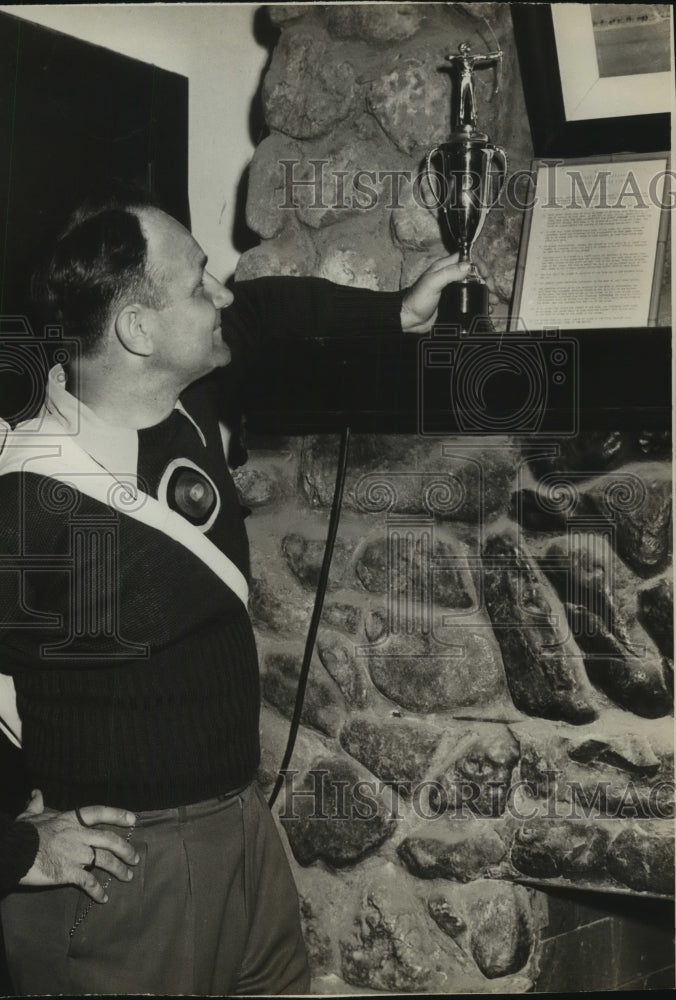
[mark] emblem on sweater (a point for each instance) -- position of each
(190, 492)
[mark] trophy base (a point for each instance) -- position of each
(465, 304)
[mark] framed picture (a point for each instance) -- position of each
(593, 244)
(596, 77)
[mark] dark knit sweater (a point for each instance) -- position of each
(161, 709)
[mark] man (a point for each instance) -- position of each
(129, 640)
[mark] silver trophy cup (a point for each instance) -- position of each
(466, 175)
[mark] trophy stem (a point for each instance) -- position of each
(465, 304)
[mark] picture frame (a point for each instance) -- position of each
(579, 259)
(553, 41)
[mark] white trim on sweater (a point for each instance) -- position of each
(40, 447)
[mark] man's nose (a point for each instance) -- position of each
(218, 293)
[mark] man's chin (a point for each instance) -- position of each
(219, 359)
(222, 354)
(223, 357)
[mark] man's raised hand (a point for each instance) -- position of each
(68, 848)
(419, 305)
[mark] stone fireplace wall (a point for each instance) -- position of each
(488, 709)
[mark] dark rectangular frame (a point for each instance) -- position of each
(553, 134)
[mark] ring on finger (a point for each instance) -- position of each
(78, 816)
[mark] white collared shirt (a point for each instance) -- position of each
(113, 446)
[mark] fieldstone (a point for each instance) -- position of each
(594, 452)
(500, 927)
(280, 614)
(343, 819)
(270, 192)
(468, 483)
(343, 616)
(306, 90)
(282, 13)
(290, 253)
(462, 855)
(372, 24)
(317, 943)
(305, 556)
(591, 777)
(605, 792)
(339, 660)
(487, 475)
(656, 609)
(442, 911)
(655, 444)
(543, 668)
(421, 491)
(485, 770)
(626, 751)
(498, 249)
(324, 707)
(375, 624)
(395, 750)
(637, 501)
(422, 676)
(643, 859)
(393, 945)
(372, 568)
(389, 951)
(546, 510)
(553, 848)
(373, 264)
(582, 569)
(384, 567)
(254, 486)
(619, 656)
(346, 174)
(411, 103)
(637, 683)
(414, 227)
(591, 452)
(541, 760)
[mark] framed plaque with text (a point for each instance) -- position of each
(593, 243)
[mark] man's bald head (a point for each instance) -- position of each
(99, 264)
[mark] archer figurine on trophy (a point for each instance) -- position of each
(461, 171)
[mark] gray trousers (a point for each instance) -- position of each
(212, 910)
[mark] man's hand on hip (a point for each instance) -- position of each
(419, 306)
(69, 847)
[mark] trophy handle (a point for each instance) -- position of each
(497, 153)
(429, 172)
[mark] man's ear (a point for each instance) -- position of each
(134, 329)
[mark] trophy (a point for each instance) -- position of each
(466, 175)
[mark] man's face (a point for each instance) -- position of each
(187, 338)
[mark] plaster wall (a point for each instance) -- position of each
(214, 46)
